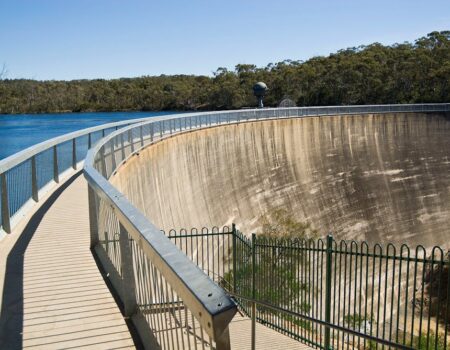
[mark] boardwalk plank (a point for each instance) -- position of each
(69, 304)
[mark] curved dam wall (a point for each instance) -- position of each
(374, 177)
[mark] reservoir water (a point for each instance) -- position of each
(20, 131)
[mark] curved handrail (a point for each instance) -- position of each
(17, 158)
(24, 176)
(167, 125)
(108, 205)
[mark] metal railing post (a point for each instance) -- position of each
(122, 143)
(253, 291)
(5, 206)
(103, 161)
(55, 165)
(89, 141)
(234, 258)
(128, 284)
(93, 216)
(223, 342)
(113, 156)
(141, 135)
(131, 140)
(34, 185)
(328, 276)
(74, 154)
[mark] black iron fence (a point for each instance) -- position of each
(330, 294)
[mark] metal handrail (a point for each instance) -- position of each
(108, 204)
(15, 202)
(17, 158)
(202, 296)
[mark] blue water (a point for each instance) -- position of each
(18, 132)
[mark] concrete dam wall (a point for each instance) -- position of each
(379, 178)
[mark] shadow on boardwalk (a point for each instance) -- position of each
(12, 310)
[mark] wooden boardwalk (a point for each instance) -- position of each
(54, 296)
(266, 338)
(66, 303)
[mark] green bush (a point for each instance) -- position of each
(431, 342)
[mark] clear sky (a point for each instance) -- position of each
(72, 39)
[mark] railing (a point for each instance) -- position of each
(27, 176)
(172, 303)
(170, 300)
(330, 294)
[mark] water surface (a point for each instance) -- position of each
(20, 131)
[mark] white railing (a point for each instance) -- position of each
(172, 303)
(25, 177)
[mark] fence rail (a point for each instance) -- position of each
(330, 294)
(152, 277)
(28, 175)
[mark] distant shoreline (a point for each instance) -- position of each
(373, 74)
(104, 111)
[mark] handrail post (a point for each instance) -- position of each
(113, 156)
(34, 185)
(103, 161)
(141, 135)
(122, 143)
(89, 141)
(131, 140)
(253, 291)
(74, 154)
(128, 286)
(55, 165)
(233, 230)
(329, 257)
(5, 206)
(223, 342)
(93, 216)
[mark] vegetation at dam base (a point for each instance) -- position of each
(394, 294)
(374, 74)
(278, 264)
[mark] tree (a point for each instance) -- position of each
(374, 74)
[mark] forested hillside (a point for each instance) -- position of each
(401, 73)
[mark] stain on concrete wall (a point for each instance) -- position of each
(374, 177)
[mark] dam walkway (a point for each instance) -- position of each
(82, 267)
(55, 297)
(65, 302)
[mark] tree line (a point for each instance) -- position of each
(401, 73)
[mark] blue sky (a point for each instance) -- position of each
(68, 39)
